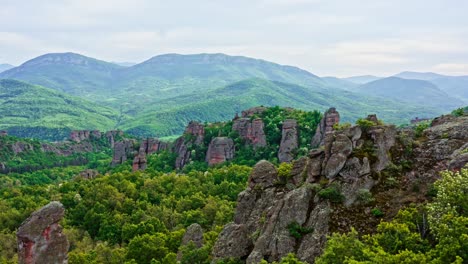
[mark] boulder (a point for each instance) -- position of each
(330, 118)
(233, 242)
(193, 234)
(221, 149)
(263, 175)
(196, 129)
(40, 237)
(338, 149)
(289, 141)
(88, 174)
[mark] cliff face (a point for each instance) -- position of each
(276, 214)
(252, 131)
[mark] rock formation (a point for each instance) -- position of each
(194, 134)
(289, 141)
(221, 149)
(193, 234)
(330, 118)
(3, 133)
(153, 145)
(352, 160)
(122, 150)
(252, 131)
(140, 162)
(40, 237)
(88, 174)
(113, 136)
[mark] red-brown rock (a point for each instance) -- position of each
(289, 141)
(252, 131)
(221, 149)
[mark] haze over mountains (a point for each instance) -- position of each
(160, 95)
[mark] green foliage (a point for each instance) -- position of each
(364, 123)
(284, 170)
(364, 196)
(34, 110)
(342, 126)
(138, 217)
(331, 193)
(459, 111)
(297, 231)
(377, 212)
(420, 127)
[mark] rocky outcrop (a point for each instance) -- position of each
(88, 174)
(40, 237)
(3, 133)
(113, 136)
(194, 235)
(289, 141)
(271, 209)
(253, 111)
(221, 149)
(19, 147)
(80, 135)
(140, 162)
(252, 131)
(153, 145)
(194, 135)
(122, 150)
(330, 118)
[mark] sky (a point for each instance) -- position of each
(326, 37)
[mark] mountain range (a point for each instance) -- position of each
(5, 67)
(158, 96)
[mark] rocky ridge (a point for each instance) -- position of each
(276, 215)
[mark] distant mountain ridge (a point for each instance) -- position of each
(416, 92)
(159, 95)
(5, 67)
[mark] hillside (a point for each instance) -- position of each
(415, 92)
(25, 107)
(71, 73)
(4, 67)
(169, 117)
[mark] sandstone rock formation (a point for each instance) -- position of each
(140, 162)
(40, 237)
(289, 141)
(80, 135)
(330, 118)
(194, 134)
(252, 131)
(113, 136)
(122, 150)
(152, 145)
(221, 149)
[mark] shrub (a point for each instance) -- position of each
(364, 196)
(377, 212)
(364, 123)
(341, 126)
(420, 127)
(331, 193)
(284, 170)
(297, 231)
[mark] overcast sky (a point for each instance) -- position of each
(325, 37)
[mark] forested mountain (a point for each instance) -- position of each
(71, 73)
(26, 107)
(158, 96)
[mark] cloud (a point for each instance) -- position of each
(451, 68)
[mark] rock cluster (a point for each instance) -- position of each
(221, 149)
(80, 135)
(147, 147)
(289, 141)
(330, 118)
(40, 237)
(268, 207)
(252, 131)
(88, 174)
